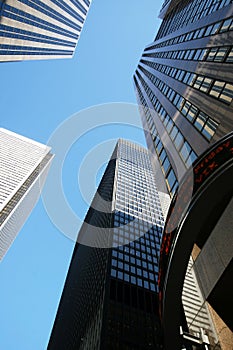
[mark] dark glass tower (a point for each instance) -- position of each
(40, 29)
(109, 299)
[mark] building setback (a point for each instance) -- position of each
(109, 299)
(184, 88)
(42, 29)
(24, 165)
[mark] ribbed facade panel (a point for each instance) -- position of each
(32, 29)
(24, 164)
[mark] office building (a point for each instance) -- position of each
(184, 88)
(24, 164)
(43, 29)
(109, 299)
(184, 83)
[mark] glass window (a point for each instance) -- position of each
(230, 56)
(166, 165)
(132, 269)
(120, 275)
(113, 273)
(185, 108)
(178, 140)
(191, 79)
(206, 84)
(152, 287)
(215, 28)
(162, 155)
(169, 125)
(191, 158)
(151, 276)
(192, 113)
(227, 93)
(171, 178)
(200, 121)
(174, 132)
(185, 150)
(198, 82)
(159, 147)
(133, 280)
(145, 274)
(226, 25)
(221, 54)
(211, 54)
(139, 282)
(208, 30)
(217, 88)
(209, 128)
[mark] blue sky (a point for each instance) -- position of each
(36, 97)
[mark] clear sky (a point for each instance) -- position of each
(36, 97)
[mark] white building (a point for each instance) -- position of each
(24, 164)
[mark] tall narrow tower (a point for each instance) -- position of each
(184, 87)
(109, 299)
(24, 165)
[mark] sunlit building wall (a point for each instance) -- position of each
(40, 29)
(24, 164)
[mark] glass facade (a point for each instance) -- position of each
(126, 314)
(32, 29)
(184, 88)
(184, 81)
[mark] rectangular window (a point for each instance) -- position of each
(185, 150)
(200, 121)
(227, 93)
(221, 54)
(226, 25)
(206, 84)
(178, 140)
(171, 178)
(174, 132)
(192, 113)
(209, 128)
(217, 88)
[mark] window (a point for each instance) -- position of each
(227, 93)
(192, 113)
(178, 140)
(171, 178)
(217, 88)
(185, 150)
(226, 25)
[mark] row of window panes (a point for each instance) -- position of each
(133, 280)
(218, 89)
(213, 54)
(212, 29)
(169, 174)
(30, 20)
(133, 270)
(183, 147)
(201, 121)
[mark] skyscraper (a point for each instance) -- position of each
(40, 29)
(184, 87)
(109, 299)
(184, 83)
(24, 164)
